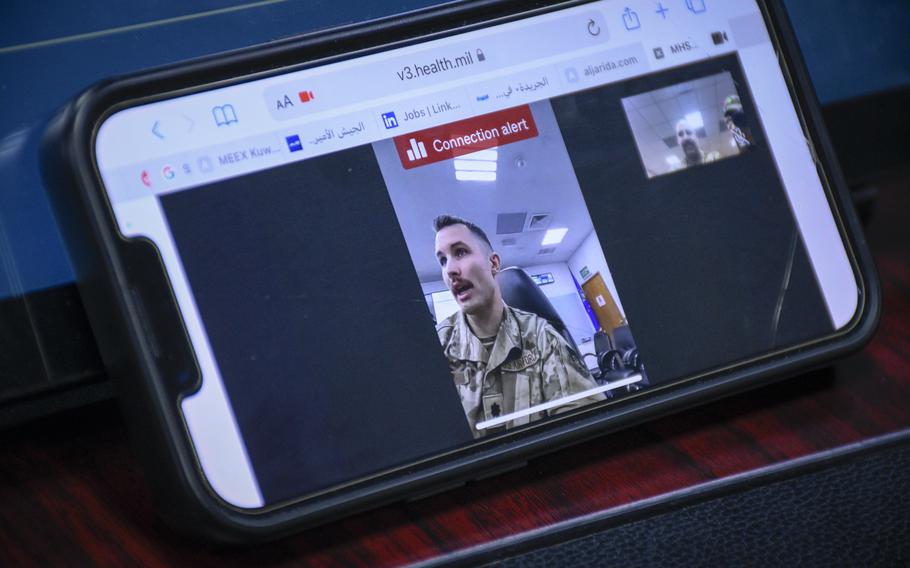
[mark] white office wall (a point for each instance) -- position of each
(435, 286)
(563, 278)
(591, 255)
(444, 304)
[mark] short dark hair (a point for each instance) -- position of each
(443, 221)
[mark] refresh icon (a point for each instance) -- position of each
(593, 28)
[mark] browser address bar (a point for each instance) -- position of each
(442, 63)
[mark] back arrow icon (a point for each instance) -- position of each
(155, 131)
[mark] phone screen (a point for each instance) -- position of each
(398, 255)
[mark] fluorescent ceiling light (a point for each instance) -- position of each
(462, 175)
(488, 155)
(553, 237)
(673, 160)
(478, 166)
(475, 165)
(695, 120)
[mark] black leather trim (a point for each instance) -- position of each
(846, 506)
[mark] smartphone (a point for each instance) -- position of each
(367, 264)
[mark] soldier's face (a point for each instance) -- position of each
(468, 267)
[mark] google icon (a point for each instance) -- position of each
(168, 172)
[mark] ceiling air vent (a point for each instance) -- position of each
(548, 250)
(539, 222)
(509, 242)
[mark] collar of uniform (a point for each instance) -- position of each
(465, 346)
(508, 341)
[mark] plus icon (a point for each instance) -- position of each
(661, 10)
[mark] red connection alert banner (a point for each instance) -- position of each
(465, 136)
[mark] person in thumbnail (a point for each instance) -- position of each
(503, 360)
(737, 123)
(692, 152)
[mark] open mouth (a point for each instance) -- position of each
(462, 290)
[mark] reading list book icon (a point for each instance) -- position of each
(224, 115)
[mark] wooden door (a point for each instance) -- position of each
(601, 301)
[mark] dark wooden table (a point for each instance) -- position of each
(71, 492)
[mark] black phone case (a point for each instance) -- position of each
(145, 347)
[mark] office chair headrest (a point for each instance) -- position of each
(520, 291)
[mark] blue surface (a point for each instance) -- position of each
(852, 47)
(35, 82)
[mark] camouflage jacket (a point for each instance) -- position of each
(528, 357)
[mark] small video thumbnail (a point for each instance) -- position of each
(510, 265)
(689, 124)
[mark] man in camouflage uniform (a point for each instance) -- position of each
(503, 360)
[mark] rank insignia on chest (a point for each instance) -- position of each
(492, 405)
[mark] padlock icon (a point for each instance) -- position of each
(480, 55)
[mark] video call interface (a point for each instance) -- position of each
(386, 303)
